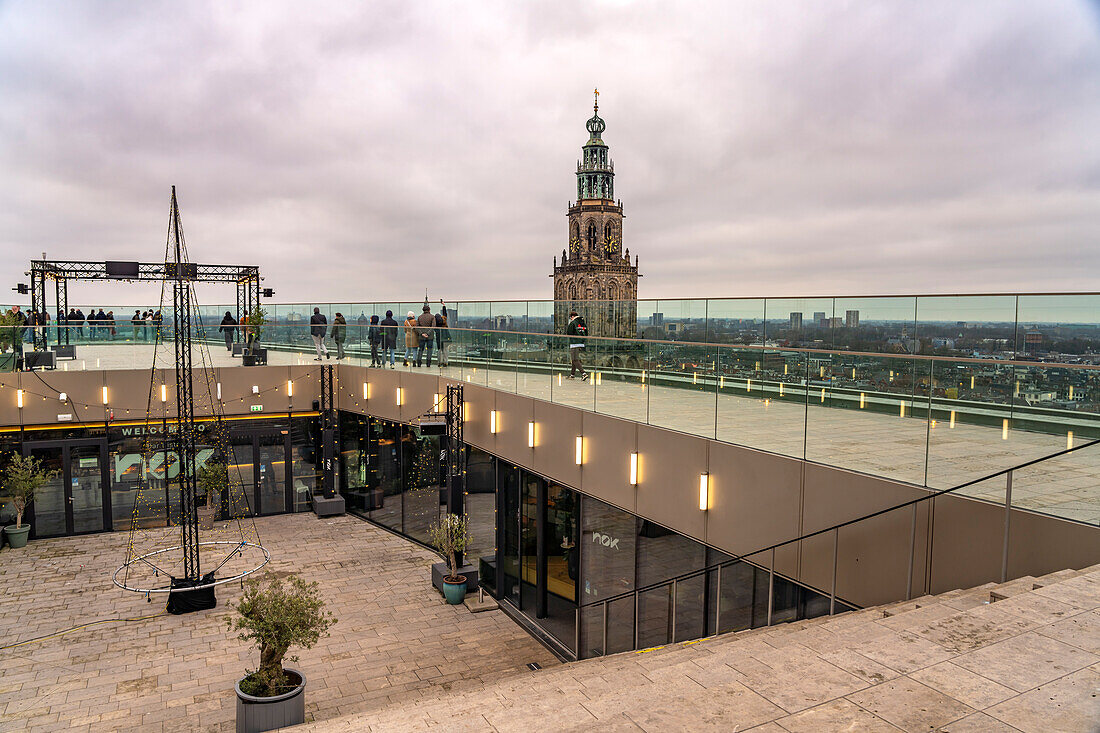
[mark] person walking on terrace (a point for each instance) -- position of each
(318, 327)
(135, 323)
(426, 331)
(577, 328)
(339, 334)
(389, 335)
(361, 326)
(374, 336)
(412, 339)
(229, 330)
(442, 333)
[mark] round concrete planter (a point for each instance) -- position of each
(454, 592)
(256, 714)
(17, 537)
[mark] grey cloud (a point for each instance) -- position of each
(370, 151)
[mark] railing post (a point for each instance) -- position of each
(1008, 516)
(832, 588)
(672, 611)
(635, 619)
(912, 554)
(577, 632)
(718, 603)
(604, 646)
(771, 586)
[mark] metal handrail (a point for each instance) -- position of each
(837, 527)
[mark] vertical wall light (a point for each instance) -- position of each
(822, 394)
(559, 379)
(822, 372)
(853, 372)
(785, 369)
(721, 382)
(219, 390)
(1071, 391)
(780, 389)
(704, 491)
(643, 376)
(164, 393)
(862, 400)
(366, 391)
(492, 421)
(531, 434)
(1004, 429)
(599, 377)
(972, 383)
(19, 398)
(634, 468)
(400, 397)
(290, 388)
(105, 394)
(901, 411)
(435, 401)
(748, 385)
(579, 450)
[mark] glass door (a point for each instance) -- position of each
(271, 467)
(86, 486)
(50, 505)
(75, 499)
(242, 474)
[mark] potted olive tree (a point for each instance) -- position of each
(276, 614)
(253, 327)
(23, 477)
(212, 481)
(451, 536)
(10, 336)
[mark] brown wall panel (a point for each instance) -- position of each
(1064, 545)
(670, 493)
(475, 427)
(237, 383)
(967, 543)
(606, 471)
(513, 414)
(755, 498)
(558, 428)
(382, 385)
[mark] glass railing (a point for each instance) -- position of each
(753, 590)
(929, 420)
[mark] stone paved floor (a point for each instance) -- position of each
(901, 448)
(395, 637)
(956, 663)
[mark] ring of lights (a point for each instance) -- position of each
(238, 548)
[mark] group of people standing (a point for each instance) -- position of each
(421, 334)
(101, 325)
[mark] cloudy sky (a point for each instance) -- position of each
(368, 151)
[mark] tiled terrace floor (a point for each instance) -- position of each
(395, 637)
(901, 448)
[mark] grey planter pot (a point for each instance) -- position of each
(17, 537)
(256, 714)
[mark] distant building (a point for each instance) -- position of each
(657, 319)
(819, 319)
(835, 322)
(796, 322)
(851, 319)
(1033, 341)
(943, 343)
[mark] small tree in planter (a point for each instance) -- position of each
(451, 536)
(253, 327)
(275, 615)
(213, 478)
(23, 477)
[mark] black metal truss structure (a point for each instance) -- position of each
(328, 430)
(246, 278)
(456, 453)
(184, 437)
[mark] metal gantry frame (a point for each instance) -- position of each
(245, 277)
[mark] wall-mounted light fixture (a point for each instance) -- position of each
(822, 394)
(219, 390)
(1004, 429)
(435, 401)
(695, 377)
(531, 434)
(559, 379)
(748, 385)
(634, 468)
(951, 425)
(290, 388)
(704, 491)
(366, 391)
(255, 389)
(19, 398)
(105, 394)
(780, 389)
(862, 400)
(63, 396)
(164, 393)
(400, 397)
(580, 450)
(901, 410)
(1069, 440)
(493, 421)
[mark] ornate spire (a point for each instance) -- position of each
(596, 106)
(596, 172)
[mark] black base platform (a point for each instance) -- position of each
(184, 598)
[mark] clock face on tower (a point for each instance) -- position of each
(611, 246)
(575, 246)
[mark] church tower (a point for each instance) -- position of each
(596, 277)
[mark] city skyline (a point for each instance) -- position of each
(759, 153)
